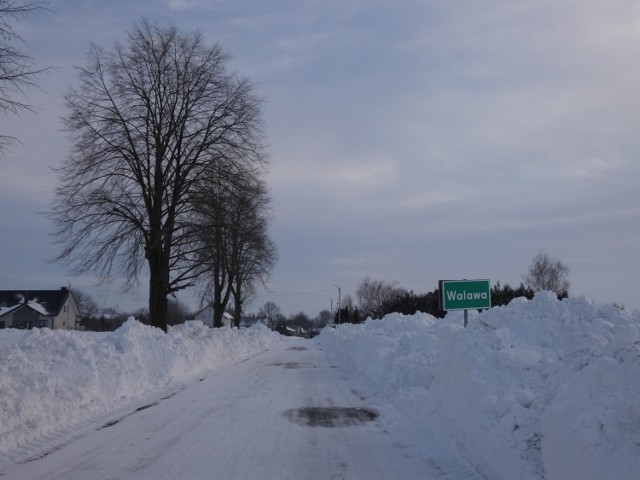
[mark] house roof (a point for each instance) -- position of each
(5, 310)
(45, 302)
(225, 314)
(36, 307)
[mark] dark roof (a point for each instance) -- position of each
(51, 300)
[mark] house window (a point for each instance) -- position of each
(2, 324)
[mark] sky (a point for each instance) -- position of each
(409, 141)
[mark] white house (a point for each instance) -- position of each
(26, 309)
(206, 316)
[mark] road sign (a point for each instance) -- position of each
(464, 294)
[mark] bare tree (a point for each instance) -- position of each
(87, 305)
(237, 252)
(272, 312)
(253, 251)
(214, 250)
(151, 123)
(373, 294)
(256, 259)
(546, 273)
(323, 318)
(269, 310)
(17, 68)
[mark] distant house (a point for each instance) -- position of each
(250, 321)
(26, 309)
(206, 316)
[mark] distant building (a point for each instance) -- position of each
(250, 321)
(26, 309)
(206, 316)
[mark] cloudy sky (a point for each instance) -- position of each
(410, 140)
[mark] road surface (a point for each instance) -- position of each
(283, 414)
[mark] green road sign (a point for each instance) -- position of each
(464, 294)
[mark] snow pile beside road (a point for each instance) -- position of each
(536, 389)
(51, 381)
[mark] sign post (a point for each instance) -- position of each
(464, 295)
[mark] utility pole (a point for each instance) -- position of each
(339, 309)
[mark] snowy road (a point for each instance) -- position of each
(283, 414)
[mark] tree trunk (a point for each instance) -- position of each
(157, 304)
(237, 314)
(158, 282)
(218, 311)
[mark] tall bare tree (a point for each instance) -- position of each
(237, 252)
(546, 273)
(215, 252)
(152, 122)
(17, 68)
(253, 251)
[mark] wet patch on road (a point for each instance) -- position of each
(330, 417)
(290, 365)
(294, 365)
(297, 348)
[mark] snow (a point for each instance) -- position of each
(54, 381)
(539, 389)
(41, 309)
(536, 389)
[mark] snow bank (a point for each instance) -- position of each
(536, 389)
(51, 381)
